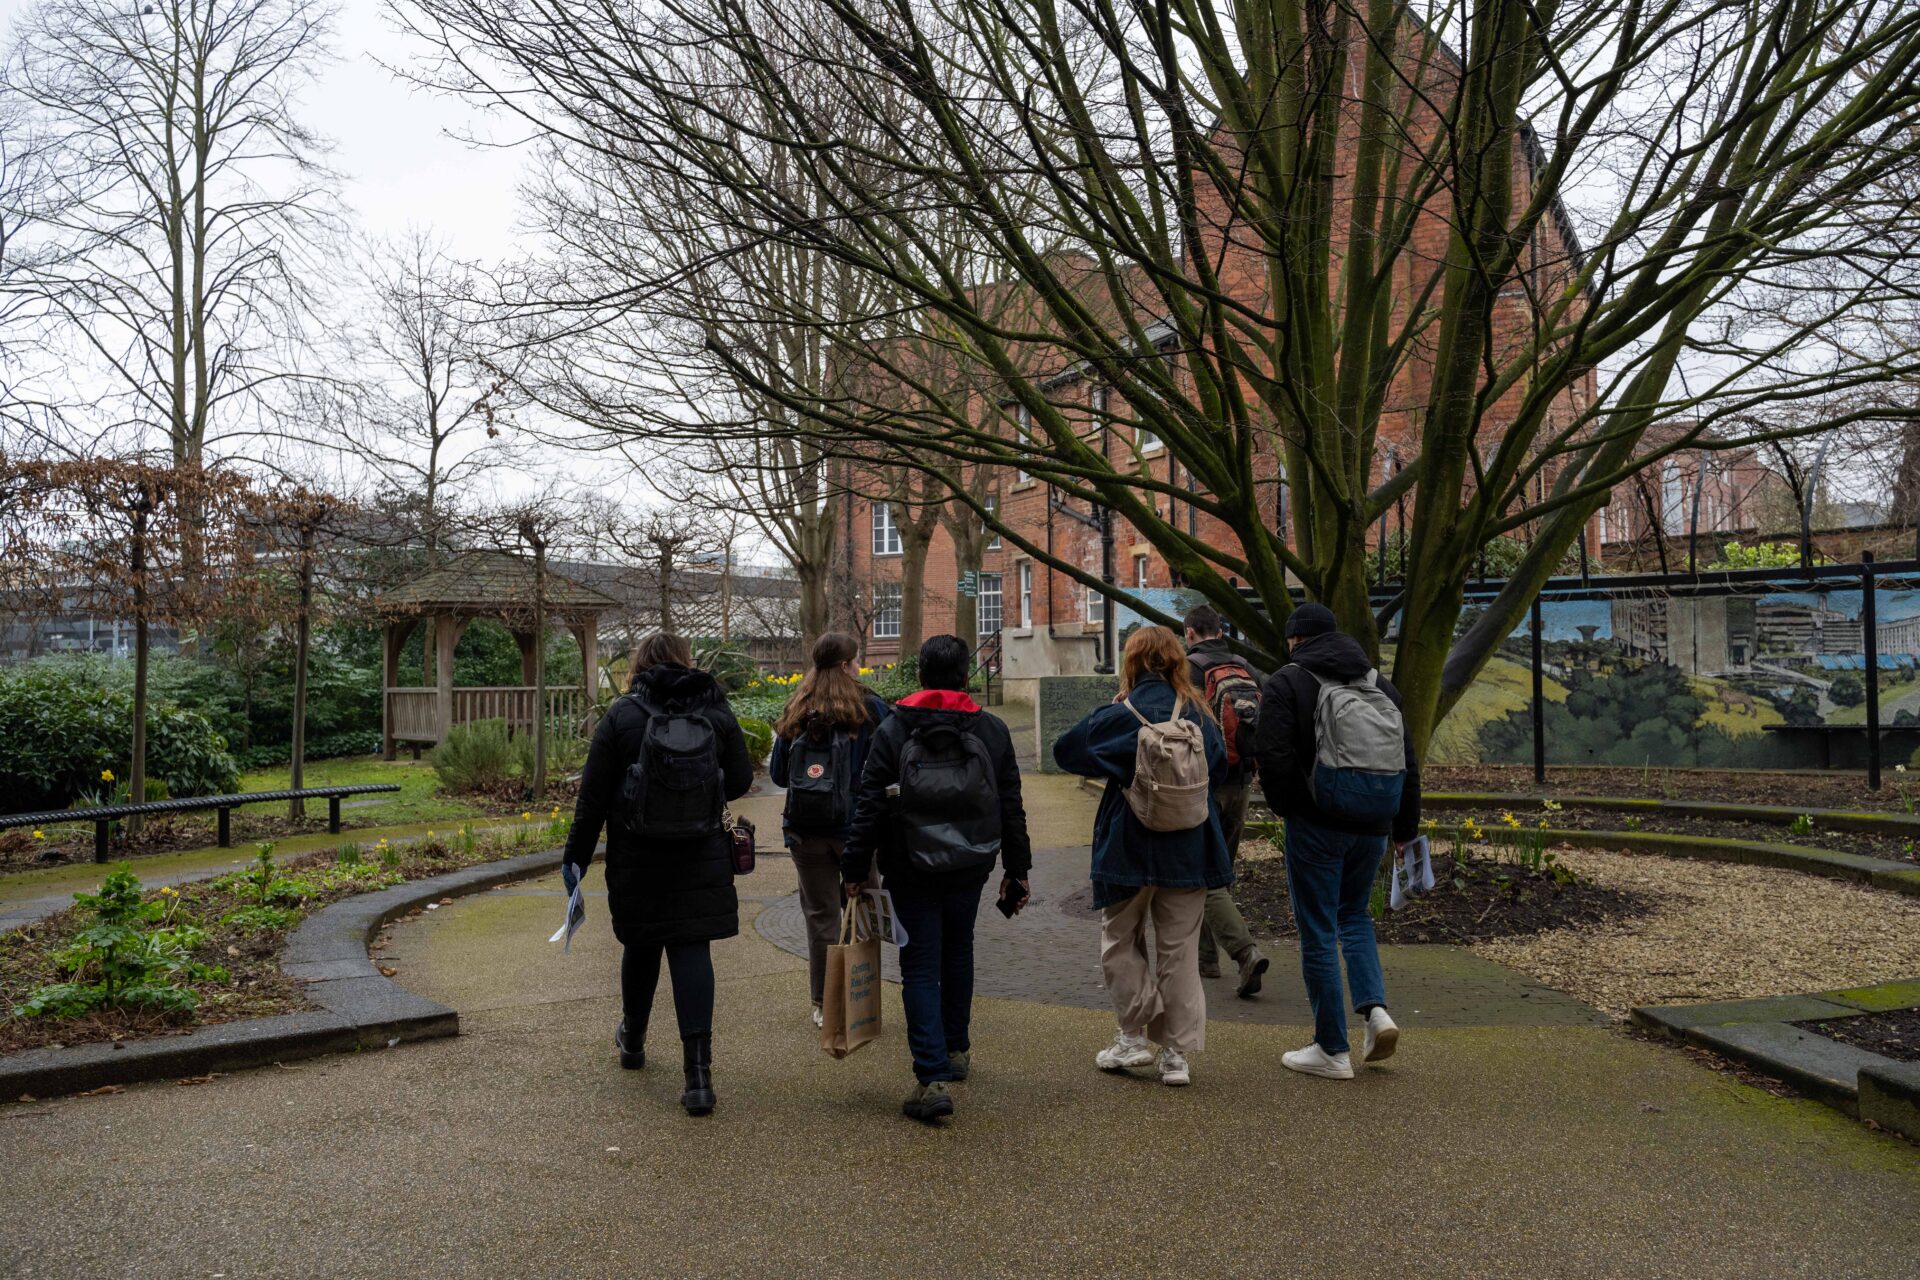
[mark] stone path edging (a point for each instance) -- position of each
(1880, 873)
(1857, 821)
(1761, 1033)
(358, 1007)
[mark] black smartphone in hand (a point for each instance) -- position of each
(1012, 898)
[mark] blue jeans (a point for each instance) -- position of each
(936, 975)
(1330, 879)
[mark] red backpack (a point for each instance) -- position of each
(1234, 697)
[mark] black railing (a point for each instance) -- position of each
(105, 816)
(986, 663)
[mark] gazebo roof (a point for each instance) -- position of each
(490, 582)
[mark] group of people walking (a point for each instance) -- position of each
(924, 796)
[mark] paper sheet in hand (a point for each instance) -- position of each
(1412, 873)
(576, 909)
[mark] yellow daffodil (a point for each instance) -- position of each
(106, 775)
(39, 834)
(1509, 819)
(1551, 806)
(527, 816)
(1543, 824)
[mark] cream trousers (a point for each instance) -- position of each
(1161, 996)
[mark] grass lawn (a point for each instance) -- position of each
(419, 799)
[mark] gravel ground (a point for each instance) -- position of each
(1719, 932)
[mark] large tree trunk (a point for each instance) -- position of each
(916, 538)
(815, 606)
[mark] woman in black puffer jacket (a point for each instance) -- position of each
(669, 897)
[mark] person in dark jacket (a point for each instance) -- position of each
(938, 904)
(1331, 864)
(1141, 875)
(1224, 927)
(669, 897)
(830, 703)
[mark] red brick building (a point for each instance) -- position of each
(1050, 624)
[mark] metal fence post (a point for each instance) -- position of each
(1870, 644)
(1539, 703)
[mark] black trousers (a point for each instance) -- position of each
(691, 967)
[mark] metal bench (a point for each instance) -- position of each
(105, 816)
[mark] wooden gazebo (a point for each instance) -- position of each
(483, 584)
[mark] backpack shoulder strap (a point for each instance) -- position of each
(1128, 704)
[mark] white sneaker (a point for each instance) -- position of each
(819, 1019)
(1315, 1061)
(1173, 1068)
(1125, 1051)
(1383, 1036)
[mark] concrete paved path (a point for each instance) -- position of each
(520, 1149)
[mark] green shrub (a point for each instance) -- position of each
(730, 667)
(759, 737)
(566, 750)
(476, 756)
(59, 732)
(358, 742)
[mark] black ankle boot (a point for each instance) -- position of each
(632, 1058)
(698, 1052)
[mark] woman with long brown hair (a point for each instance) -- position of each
(669, 861)
(819, 748)
(1141, 873)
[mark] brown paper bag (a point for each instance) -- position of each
(850, 1004)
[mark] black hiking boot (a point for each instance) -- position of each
(698, 1053)
(631, 1058)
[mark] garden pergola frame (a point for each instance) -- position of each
(445, 599)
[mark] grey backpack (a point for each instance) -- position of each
(1169, 790)
(1360, 751)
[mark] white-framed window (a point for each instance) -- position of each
(992, 609)
(1026, 593)
(1022, 434)
(886, 534)
(992, 504)
(1139, 573)
(886, 611)
(1149, 442)
(1096, 606)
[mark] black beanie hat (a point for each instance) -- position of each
(1310, 620)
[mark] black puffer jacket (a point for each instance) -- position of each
(660, 891)
(876, 836)
(1284, 744)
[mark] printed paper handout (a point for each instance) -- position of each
(576, 908)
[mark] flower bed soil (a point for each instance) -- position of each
(1575, 818)
(249, 824)
(1803, 788)
(255, 987)
(1476, 900)
(1893, 1034)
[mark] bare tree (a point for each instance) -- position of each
(1506, 239)
(189, 198)
(428, 408)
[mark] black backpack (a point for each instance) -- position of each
(673, 789)
(948, 806)
(820, 780)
